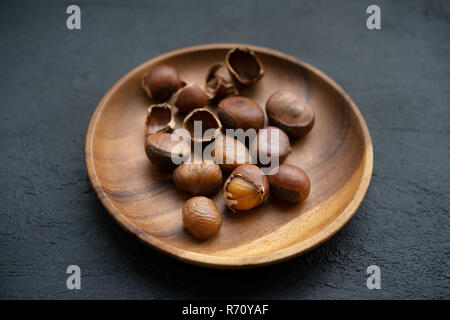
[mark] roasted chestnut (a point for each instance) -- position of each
(230, 153)
(190, 97)
(289, 183)
(219, 86)
(202, 124)
(163, 148)
(271, 142)
(161, 82)
(239, 112)
(198, 177)
(245, 188)
(201, 217)
(290, 112)
(244, 66)
(159, 119)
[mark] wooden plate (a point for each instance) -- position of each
(337, 155)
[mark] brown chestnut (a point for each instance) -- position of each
(245, 188)
(209, 124)
(201, 217)
(239, 112)
(162, 148)
(218, 86)
(244, 66)
(190, 97)
(270, 142)
(289, 183)
(230, 153)
(290, 112)
(161, 82)
(198, 177)
(159, 119)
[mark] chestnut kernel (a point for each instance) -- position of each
(244, 66)
(218, 86)
(245, 188)
(198, 177)
(159, 119)
(290, 112)
(230, 153)
(270, 142)
(161, 82)
(161, 148)
(289, 183)
(201, 217)
(190, 97)
(210, 125)
(239, 112)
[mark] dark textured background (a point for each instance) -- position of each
(51, 80)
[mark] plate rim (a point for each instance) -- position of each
(219, 262)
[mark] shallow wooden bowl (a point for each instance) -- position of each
(337, 155)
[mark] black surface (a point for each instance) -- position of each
(51, 80)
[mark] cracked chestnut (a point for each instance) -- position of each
(207, 124)
(245, 188)
(244, 66)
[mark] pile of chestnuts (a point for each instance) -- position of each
(235, 168)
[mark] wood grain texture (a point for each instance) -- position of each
(337, 155)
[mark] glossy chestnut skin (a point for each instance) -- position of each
(201, 217)
(160, 147)
(240, 112)
(261, 147)
(209, 121)
(244, 66)
(198, 177)
(159, 119)
(190, 97)
(219, 86)
(254, 177)
(289, 183)
(291, 113)
(161, 82)
(230, 153)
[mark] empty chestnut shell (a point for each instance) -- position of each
(218, 86)
(244, 66)
(271, 142)
(210, 125)
(290, 112)
(159, 119)
(198, 177)
(190, 97)
(289, 183)
(161, 82)
(161, 146)
(201, 217)
(230, 153)
(239, 112)
(245, 188)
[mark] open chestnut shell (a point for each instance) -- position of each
(289, 183)
(210, 125)
(290, 112)
(159, 119)
(190, 97)
(162, 146)
(240, 112)
(218, 86)
(244, 66)
(245, 188)
(270, 142)
(161, 82)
